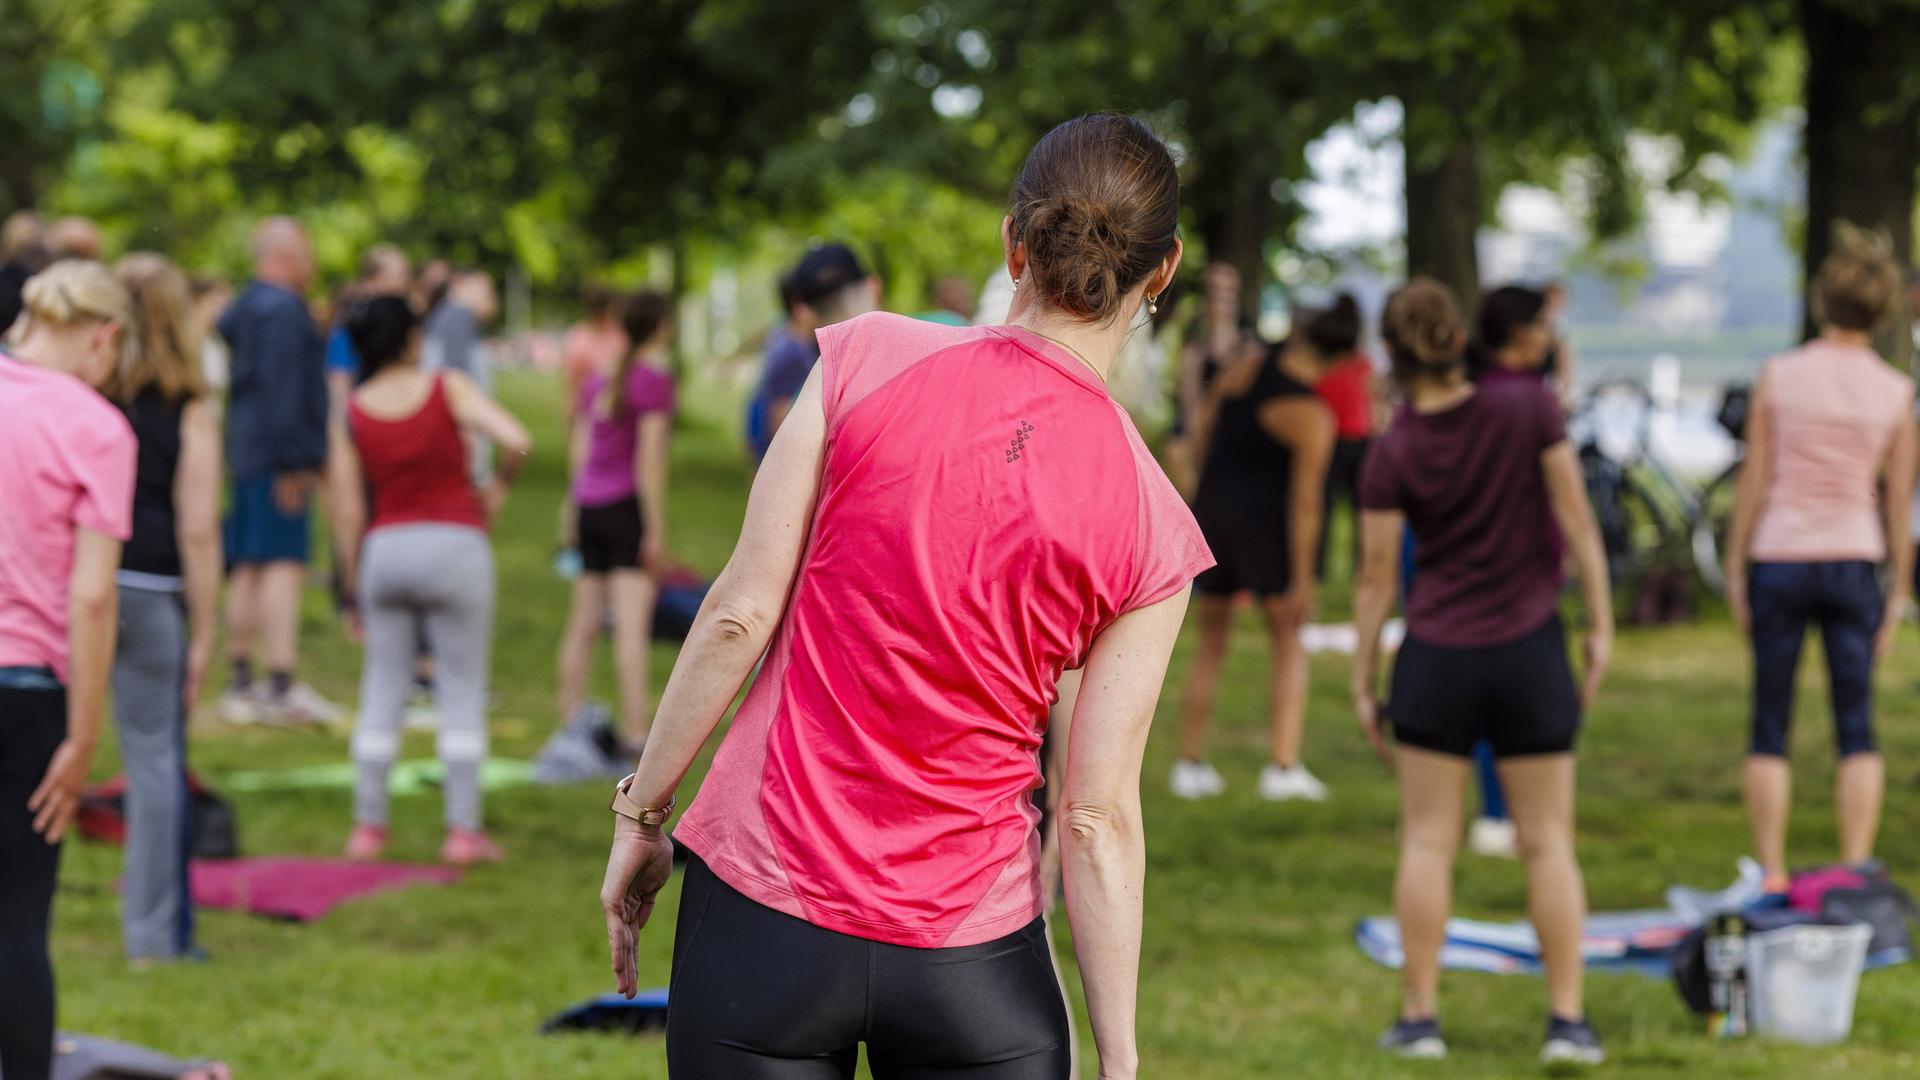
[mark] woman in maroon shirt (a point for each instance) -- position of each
(1481, 474)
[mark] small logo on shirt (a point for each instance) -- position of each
(1019, 441)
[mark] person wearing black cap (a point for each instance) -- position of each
(828, 286)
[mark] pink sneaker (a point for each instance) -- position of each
(366, 842)
(464, 847)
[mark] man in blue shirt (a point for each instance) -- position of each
(276, 447)
(828, 286)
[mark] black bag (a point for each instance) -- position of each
(1735, 403)
(1688, 960)
(216, 832)
(1880, 904)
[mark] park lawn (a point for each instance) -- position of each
(1248, 970)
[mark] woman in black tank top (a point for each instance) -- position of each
(169, 588)
(1267, 439)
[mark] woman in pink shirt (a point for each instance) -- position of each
(66, 506)
(621, 424)
(1830, 422)
(949, 519)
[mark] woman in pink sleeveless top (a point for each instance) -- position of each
(1831, 422)
(949, 519)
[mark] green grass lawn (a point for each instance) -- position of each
(1248, 971)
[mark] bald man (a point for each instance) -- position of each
(276, 447)
(74, 238)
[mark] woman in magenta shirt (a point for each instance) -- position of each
(949, 519)
(621, 424)
(66, 506)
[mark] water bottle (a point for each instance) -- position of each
(1726, 955)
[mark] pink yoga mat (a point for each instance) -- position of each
(302, 889)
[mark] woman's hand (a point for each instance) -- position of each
(637, 869)
(57, 799)
(199, 659)
(493, 499)
(1599, 650)
(653, 554)
(1296, 605)
(1366, 709)
(1736, 574)
(1889, 625)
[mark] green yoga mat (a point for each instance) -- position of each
(407, 777)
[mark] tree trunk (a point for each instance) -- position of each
(1862, 138)
(1235, 231)
(1443, 218)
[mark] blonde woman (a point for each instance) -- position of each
(66, 492)
(1830, 421)
(169, 597)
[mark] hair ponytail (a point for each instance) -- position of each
(1421, 329)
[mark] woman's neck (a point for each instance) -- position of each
(1437, 393)
(1094, 342)
(38, 349)
(1301, 367)
(1837, 335)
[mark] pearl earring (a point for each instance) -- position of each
(1153, 305)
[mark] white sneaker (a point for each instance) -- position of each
(301, 706)
(423, 712)
(1280, 785)
(1493, 837)
(1196, 780)
(240, 707)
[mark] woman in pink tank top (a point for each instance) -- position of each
(950, 518)
(1831, 423)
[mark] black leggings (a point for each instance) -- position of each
(760, 995)
(32, 723)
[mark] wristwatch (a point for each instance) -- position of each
(624, 805)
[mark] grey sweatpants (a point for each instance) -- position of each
(442, 576)
(149, 712)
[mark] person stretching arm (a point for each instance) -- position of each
(650, 474)
(1567, 492)
(1749, 498)
(1381, 534)
(1897, 498)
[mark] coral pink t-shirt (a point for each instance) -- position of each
(66, 462)
(1835, 409)
(985, 511)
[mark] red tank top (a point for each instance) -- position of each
(416, 465)
(1347, 390)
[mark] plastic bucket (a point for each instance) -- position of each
(1802, 981)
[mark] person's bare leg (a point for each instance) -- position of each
(1432, 801)
(280, 585)
(1769, 790)
(1540, 794)
(243, 612)
(1215, 615)
(1860, 784)
(584, 620)
(1287, 700)
(633, 595)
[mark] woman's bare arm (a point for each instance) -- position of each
(1382, 532)
(1567, 492)
(478, 413)
(1305, 425)
(650, 475)
(93, 612)
(196, 508)
(347, 507)
(1749, 499)
(1102, 837)
(1897, 496)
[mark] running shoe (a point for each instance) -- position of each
(1295, 782)
(366, 842)
(239, 707)
(1496, 838)
(1416, 1039)
(300, 706)
(1196, 780)
(464, 847)
(1571, 1042)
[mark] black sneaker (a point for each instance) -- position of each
(1571, 1042)
(1419, 1039)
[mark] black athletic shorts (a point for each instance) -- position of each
(761, 995)
(1250, 545)
(610, 535)
(1519, 696)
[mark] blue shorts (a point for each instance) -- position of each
(258, 532)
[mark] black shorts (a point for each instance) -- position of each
(760, 995)
(1250, 544)
(1519, 696)
(610, 535)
